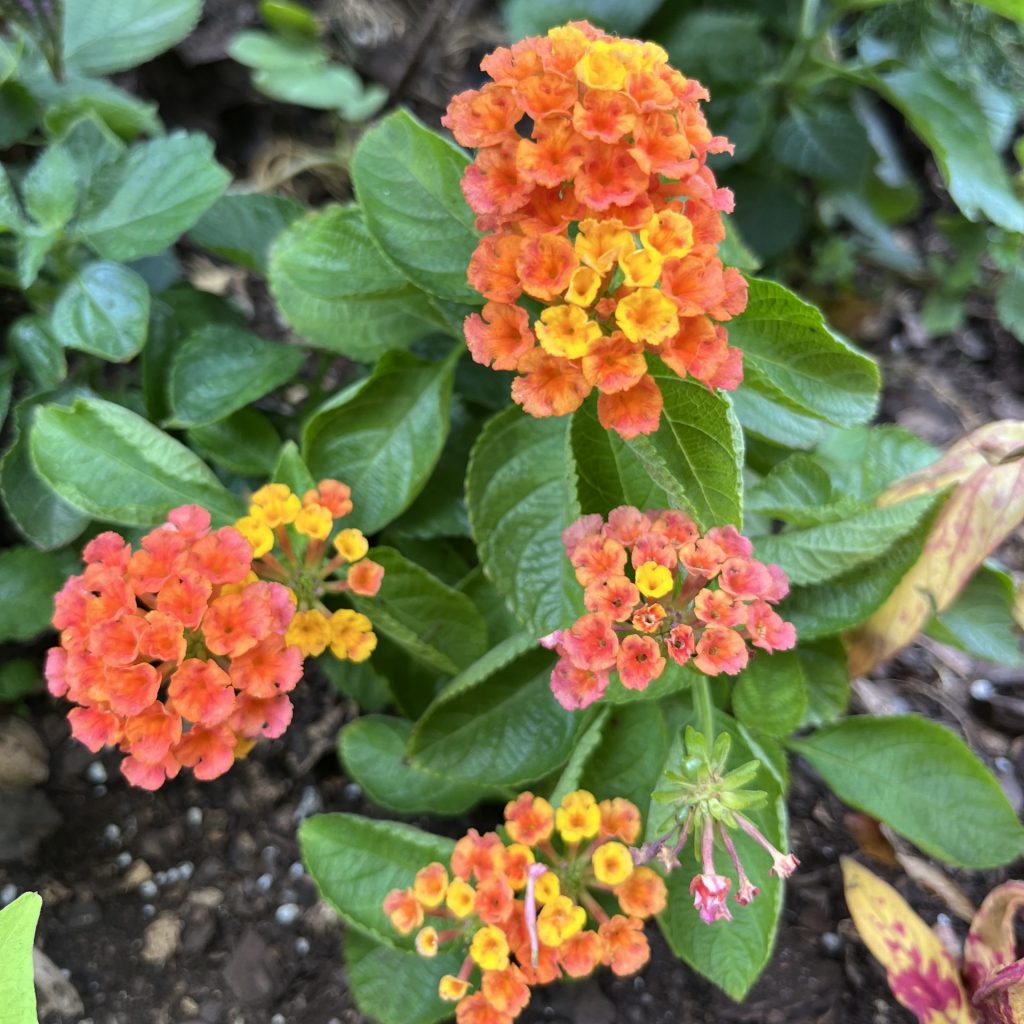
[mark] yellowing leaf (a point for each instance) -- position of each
(921, 974)
(993, 973)
(986, 471)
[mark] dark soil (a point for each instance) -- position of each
(191, 904)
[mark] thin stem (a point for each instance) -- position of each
(704, 708)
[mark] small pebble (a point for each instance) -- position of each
(278, 1018)
(8, 894)
(832, 943)
(123, 859)
(173, 876)
(264, 882)
(96, 772)
(352, 792)
(185, 869)
(131, 826)
(160, 878)
(269, 853)
(99, 790)
(112, 834)
(982, 689)
(1003, 765)
(148, 889)
(309, 803)
(296, 870)
(148, 910)
(286, 913)
(302, 945)
(194, 817)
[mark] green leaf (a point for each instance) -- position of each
(38, 351)
(632, 755)
(244, 442)
(124, 114)
(103, 310)
(980, 621)
(913, 775)
(849, 599)
(822, 140)
(827, 677)
(770, 694)
(263, 51)
(799, 491)
(356, 862)
(42, 22)
(535, 17)
(696, 454)
(1010, 302)
(50, 188)
(608, 471)
(101, 36)
(384, 436)
(19, 677)
(33, 246)
(818, 553)
(291, 470)
(7, 369)
(90, 144)
(17, 930)
(323, 87)
(19, 113)
(761, 413)
(360, 681)
(432, 622)
(407, 181)
(335, 288)
(145, 200)
(242, 226)
(220, 369)
(40, 515)
(397, 986)
(113, 464)
(571, 776)
(727, 47)
(947, 117)
(373, 751)
(730, 953)
(28, 581)
(11, 217)
(786, 340)
(863, 461)
(506, 730)
(520, 495)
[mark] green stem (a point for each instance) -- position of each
(704, 708)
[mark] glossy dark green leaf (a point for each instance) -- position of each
(241, 227)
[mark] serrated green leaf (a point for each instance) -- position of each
(245, 442)
(322, 87)
(520, 495)
(373, 751)
(407, 182)
(799, 491)
(911, 774)
(356, 862)
(101, 36)
(103, 310)
(384, 438)
(571, 776)
(335, 288)
(241, 227)
(1010, 302)
(980, 621)
(218, 370)
(696, 454)
(821, 140)
(145, 200)
(429, 620)
(507, 730)
(827, 675)
(118, 467)
(787, 341)
(50, 188)
(38, 351)
(815, 554)
(608, 471)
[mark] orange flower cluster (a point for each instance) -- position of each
(607, 215)
(521, 908)
(175, 652)
(655, 586)
(301, 532)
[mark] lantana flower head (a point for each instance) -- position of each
(524, 912)
(295, 542)
(605, 212)
(657, 590)
(175, 652)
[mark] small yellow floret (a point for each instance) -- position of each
(351, 544)
(668, 234)
(566, 331)
(452, 989)
(547, 888)
(352, 635)
(560, 920)
(255, 530)
(314, 521)
(583, 286)
(601, 67)
(640, 268)
(579, 817)
(612, 863)
(489, 948)
(460, 898)
(309, 631)
(653, 580)
(647, 315)
(426, 942)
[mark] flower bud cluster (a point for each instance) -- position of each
(295, 543)
(176, 652)
(607, 215)
(656, 588)
(524, 909)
